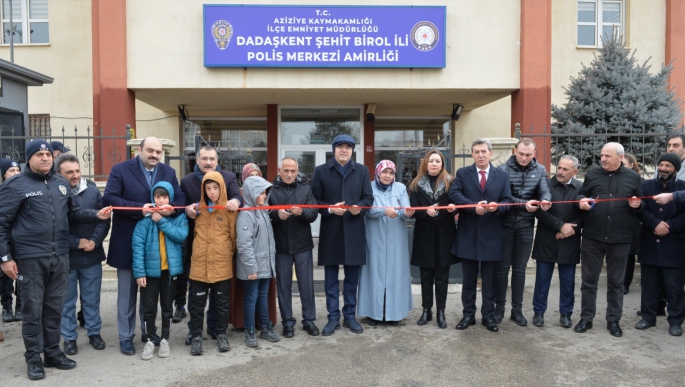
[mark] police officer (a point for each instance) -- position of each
(37, 207)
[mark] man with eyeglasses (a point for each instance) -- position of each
(207, 160)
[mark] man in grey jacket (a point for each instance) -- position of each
(528, 181)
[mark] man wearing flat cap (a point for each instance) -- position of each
(662, 242)
(37, 206)
(342, 238)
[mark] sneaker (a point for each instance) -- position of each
(251, 338)
(222, 341)
(61, 362)
(179, 315)
(268, 334)
(196, 346)
(163, 349)
(7, 315)
(148, 351)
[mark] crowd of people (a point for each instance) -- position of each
(192, 244)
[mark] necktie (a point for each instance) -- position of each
(482, 180)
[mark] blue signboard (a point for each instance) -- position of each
(324, 36)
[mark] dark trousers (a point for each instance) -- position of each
(163, 290)
(304, 268)
(198, 302)
(440, 276)
(211, 311)
(488, 272)
(630, 271)
(7, 289)
(673, 280)
(543, 279)
(516, 246)
(332, 285)
(43, 290)
(591, 259)
(256, 292)
(181, 287)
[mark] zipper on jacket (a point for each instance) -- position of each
(54, 225)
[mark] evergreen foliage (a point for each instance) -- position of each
(616, 99)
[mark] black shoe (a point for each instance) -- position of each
(644, 324)
(196, 348)
(614, 328)
(392, 323)
(518, 318)
(625, 290)
(539, 319)
(371, 321)
(7, 315)
(442, 323)
(498, 316)
(426, 316)
(126, 347)
(70, 347)
(565, 320)
(189, 338)
(97, 342)
(35, 370)
(210, 332)
(490, 324)
(639, 313)
(222, 341)
(675, 330)
(288, 332)
(312, 330)
(466, 322)
(17, 314)
(80, 318)
(60, 362)
(331, 327)
(179, 315)
(583, 325)
(353, 325)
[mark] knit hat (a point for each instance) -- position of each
(36, 145)
(671, 158)
(343, 139)
(249, 167)
(5, 165)
(56, 145)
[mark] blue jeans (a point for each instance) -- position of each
(89, 282)
(256, 292)
(567, 283)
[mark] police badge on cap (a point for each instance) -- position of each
(63, 189)
(222, 32)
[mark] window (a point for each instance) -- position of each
(31, 13)
(598, 20)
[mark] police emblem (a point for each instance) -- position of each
(63, 189)
(222, 32)
(425, 36)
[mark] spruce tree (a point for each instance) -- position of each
(615, 95)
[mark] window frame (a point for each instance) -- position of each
(25, 21)
(599, 22)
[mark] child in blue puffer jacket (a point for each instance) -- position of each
(157, 260)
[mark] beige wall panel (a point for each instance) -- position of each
(67, 59)
(165, 51)
(489, 121)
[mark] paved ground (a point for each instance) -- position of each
(406, 355)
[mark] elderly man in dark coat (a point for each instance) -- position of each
(342, 239)
(662, 246)
(129, 185)
(557, 240)
(479, 232)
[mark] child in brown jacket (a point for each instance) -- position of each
(212, 260)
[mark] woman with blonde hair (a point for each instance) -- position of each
(434, 234)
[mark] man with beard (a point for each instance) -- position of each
(85, 259)
(207, 160)
(662, 244)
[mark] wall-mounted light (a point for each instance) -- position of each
(371, 112)
(456, 111)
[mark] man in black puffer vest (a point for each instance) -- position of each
(528, 181)
(37, 206)
(607, 231)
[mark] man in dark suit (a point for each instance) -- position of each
(342, 240)
(479, 233)
(129, 185)
(191, 185)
